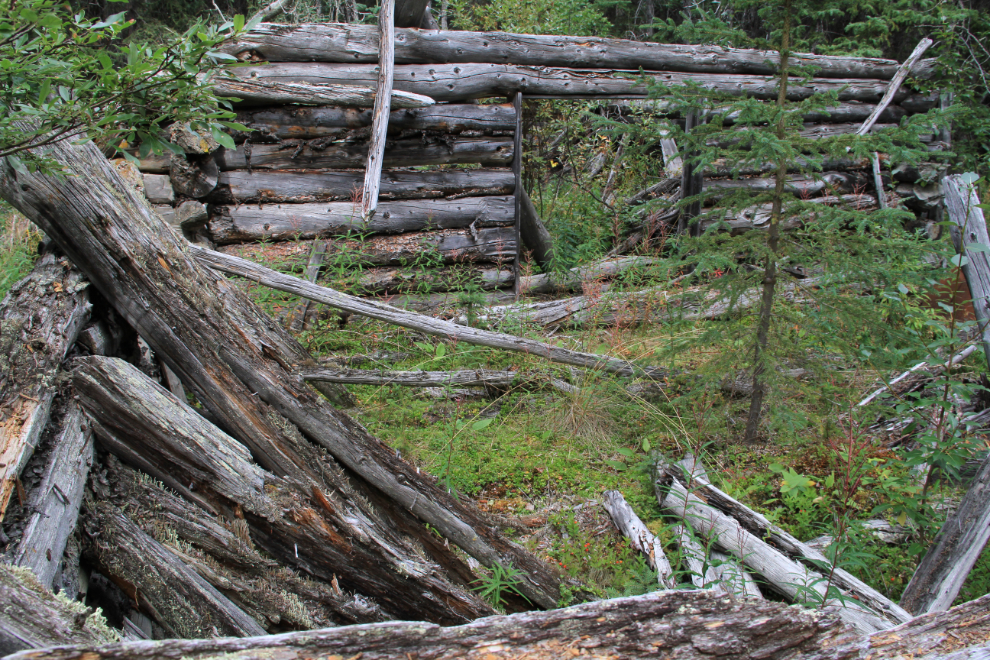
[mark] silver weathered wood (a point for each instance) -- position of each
(236, 266)
(733, 577)
(895, 384)
(460, 82)
(393, 280)
(284, 222)
(265, 92)
(488, 378)
(56, 500)
(639, 536)
(330, 42)
(576, 278)
(379, 124)
(895, 84)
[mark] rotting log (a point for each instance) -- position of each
(326, 533)
(396, 280)
(191, 316)
(758, 217)
(379, 122)
(287, 123)
(460, 82)
(757, 525)
(733, 577)
(400, 153)
(41, 317)
(340, 94)
(33, 617)
(336, 42)
(790, 578)
(639, 536)
(533, 232)
(294, 186)
(487, 378)
(576, 278)
(177, 597)
(193, 176)
(55, 502)
(283, 222)
(919, 373)
(237, 266)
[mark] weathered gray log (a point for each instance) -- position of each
(759, 526)
(920, 372)
(41, 317)
(236, 266)
(460, 82)
(733, 577)
(878, 181)
(148, 427)
(176, 596)
(534, 233)
(297, 318)
(639, 536)
(292, 186)
(844, 112)
(56, 500)
(287, 123)
(266, 92)
(964, 209)
(944, 568)
(329, 42)
(446, 305)
(383, 92)
(882, 530)
(194, 176)
(576, 278)
(792, 579)
(895, 84)
(796, 184)
(416, 280)
(158, 189)
(401, 153)
(284, 222)
(33, 617)
(758, 217)
(139, 265)
(498, 380)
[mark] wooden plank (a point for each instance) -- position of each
(286, 123)
(459, 82)
(282, 222)
(895, 85)
(330, 42)
(300, 186)
(55, 502)
(236, 266)
(401, 153)
(379, 124)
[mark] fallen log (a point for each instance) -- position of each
(294, 186)
(576, 278)
(194, 176)
(33, 617)
(639, 536)
(916, 375)
(400, 153)
(287, 123)
(733, 577)
(335, 42)
(447, 305)
(785, 575)
(55, 502)
(201, 325)
(460, 82)
(236, 266)
(895, 84)
(487, 378)
(176, 596)
(283, 222)
(757, 525)
(758, 217)
(390, 281)
(41, 317)
(266, 92)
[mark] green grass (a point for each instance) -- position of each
(18, 247)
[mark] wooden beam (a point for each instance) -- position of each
(258, 92)
(895, 84)
(379, 125)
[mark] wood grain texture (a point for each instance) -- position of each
(639, 536)
(895, 84)
(266, 92)
(383, 93)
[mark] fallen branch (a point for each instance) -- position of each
(639, 536)
(906, 380)
(895, 85)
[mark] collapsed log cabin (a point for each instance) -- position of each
(267, 510)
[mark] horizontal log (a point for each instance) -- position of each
(846, 111)
(371, 309)
(446, 304)
(283, 222)
(416, 280)
(428, 248)
(576, 278)
(459, 82)
(758, 217)
(487, 378)
(336, 42)
(286, 123)
(266, 92)
(400, 153)
(292, 186)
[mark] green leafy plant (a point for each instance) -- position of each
(502, 581)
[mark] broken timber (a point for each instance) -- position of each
(379, 125)
(639, 536)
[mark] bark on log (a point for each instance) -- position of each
(401, 153)
(534, 233)
(33, 617)
(460, 82)
(176, 596)
(266, 92)
(787, 576)
(55, 502)
(639, 536)
(943, 570)
(187, 312)
(236, 266)
(241, 186)
(41, 317)
(284, 222)
(286, 123)
(383, 92)
(576, 278)
(329, 42)
(756, 524)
